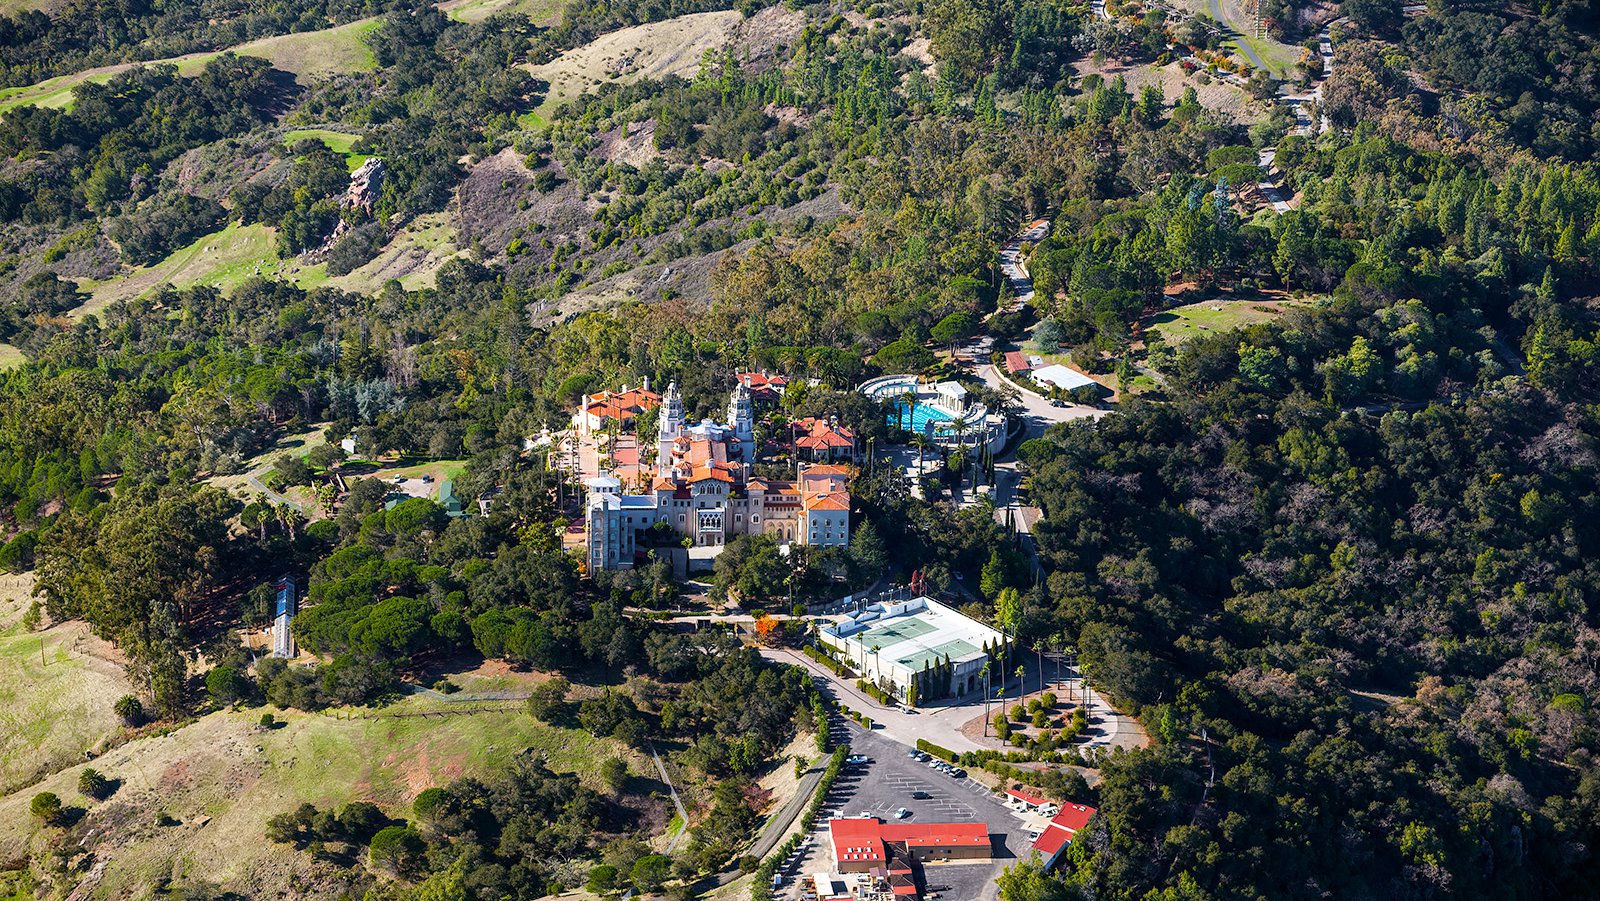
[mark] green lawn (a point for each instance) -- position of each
(10, 356)
(225, 259)
(541, 12)
(338, 141)
(310, 54)
(1213, 316)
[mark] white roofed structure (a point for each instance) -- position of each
(1063, 377)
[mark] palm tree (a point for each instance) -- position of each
(910, 400)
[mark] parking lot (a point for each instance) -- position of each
(885, 785)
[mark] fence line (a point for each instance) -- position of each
(407, 714)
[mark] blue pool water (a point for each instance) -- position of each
(920, 418)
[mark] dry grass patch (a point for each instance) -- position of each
(658, 49)
(221, 778)
(1232, 102)
(56, 691)
(307, 55)
(541, 12)
(413, 257)
(317, 54)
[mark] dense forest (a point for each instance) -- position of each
(1339, 562)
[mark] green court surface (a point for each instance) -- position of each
(893, 634)
(954, 650)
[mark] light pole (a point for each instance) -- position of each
(985, 674)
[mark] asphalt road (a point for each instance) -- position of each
(885, 785)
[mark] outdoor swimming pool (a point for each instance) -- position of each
(919, 419)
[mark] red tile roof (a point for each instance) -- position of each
(921, 835)
(862, 839)
(1027, 798)
(755, 380)
(721, 472)
(812, 433)
(623, 405)
(830, 469)
(1062, 829)
(1016, 361)
(837, 500)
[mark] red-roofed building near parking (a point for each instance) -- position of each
(867, 842)
(1027, 801)
(1017, 362)
(1061, 831)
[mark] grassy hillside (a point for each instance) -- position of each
(221, 778)
(316, 54)
(413, 257)
(1219, 315)
(56, 691)
(542, 12)
(224, 259)
(307, 55)
(337, 141)
(673, 47)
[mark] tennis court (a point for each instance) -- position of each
(891, 634)
(955, 649)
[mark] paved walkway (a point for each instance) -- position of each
(946, 724)
(677, 802)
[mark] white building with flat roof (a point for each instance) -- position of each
(1063, 377)
(892, 644)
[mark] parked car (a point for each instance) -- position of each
(902, 813)
(958, 772)
(920, 796)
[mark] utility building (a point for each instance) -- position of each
(285, 606)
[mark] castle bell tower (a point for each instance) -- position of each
(671, 420)
(742, 420)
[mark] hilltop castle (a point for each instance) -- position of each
(702, 490)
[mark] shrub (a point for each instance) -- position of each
(162, 225)
(398, 849)
(226, 684)
(650, 872)
(129, 710)
(46, 807)
(614, 773)
(602, 879)
(92, 784)
(361, 820)
(929, 747)
(357, 248)
(429, 801)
